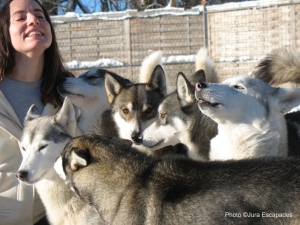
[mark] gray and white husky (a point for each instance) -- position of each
(43, 140)
(250, 117)
(134, 106)
(179, 119)
(128, 187)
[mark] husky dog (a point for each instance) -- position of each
(250, 117)
(87, 92)
(43, 140)
(179, 119)
(134, 106)
(128, 187)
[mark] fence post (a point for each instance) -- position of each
(293, 28)
(205, 24)
(127, 34)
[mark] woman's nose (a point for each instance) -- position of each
(32, 19)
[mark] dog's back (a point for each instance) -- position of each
(127, 186)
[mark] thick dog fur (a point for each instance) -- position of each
(204, 62)
(280, 68)
(147, 67)
(250, 117)
(128, 187)
(179, 119)
(87, 92)
(43, 140)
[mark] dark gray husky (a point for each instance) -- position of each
(128, 187)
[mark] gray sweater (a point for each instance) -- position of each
(21, 95)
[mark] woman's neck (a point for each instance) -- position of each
(27, 69)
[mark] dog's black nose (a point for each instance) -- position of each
(22, 175)
(137, 137)
(200, 85)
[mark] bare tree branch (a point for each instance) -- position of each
(83, 7)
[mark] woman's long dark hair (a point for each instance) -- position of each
(53, 66)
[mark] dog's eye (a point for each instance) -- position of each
(149, 110)
(92, 77)
(24, 149)
(162, 115)
(237, 87)
(42, 147)
(125, 111)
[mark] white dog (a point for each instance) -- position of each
(250, 117)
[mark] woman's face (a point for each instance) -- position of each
(29, 30)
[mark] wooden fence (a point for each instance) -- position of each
(237, 35)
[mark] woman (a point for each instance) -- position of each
(30, 67)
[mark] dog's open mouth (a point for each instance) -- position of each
(203, 102)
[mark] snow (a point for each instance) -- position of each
(93, 64)
(241, 58)
(114, 63)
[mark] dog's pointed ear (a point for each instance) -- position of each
(67, 115)
(288, 98)
(112, 87)
(32, 114)
(185, 90)
(198, 76)
(79, 158)
(58, 167)
(157, 80)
